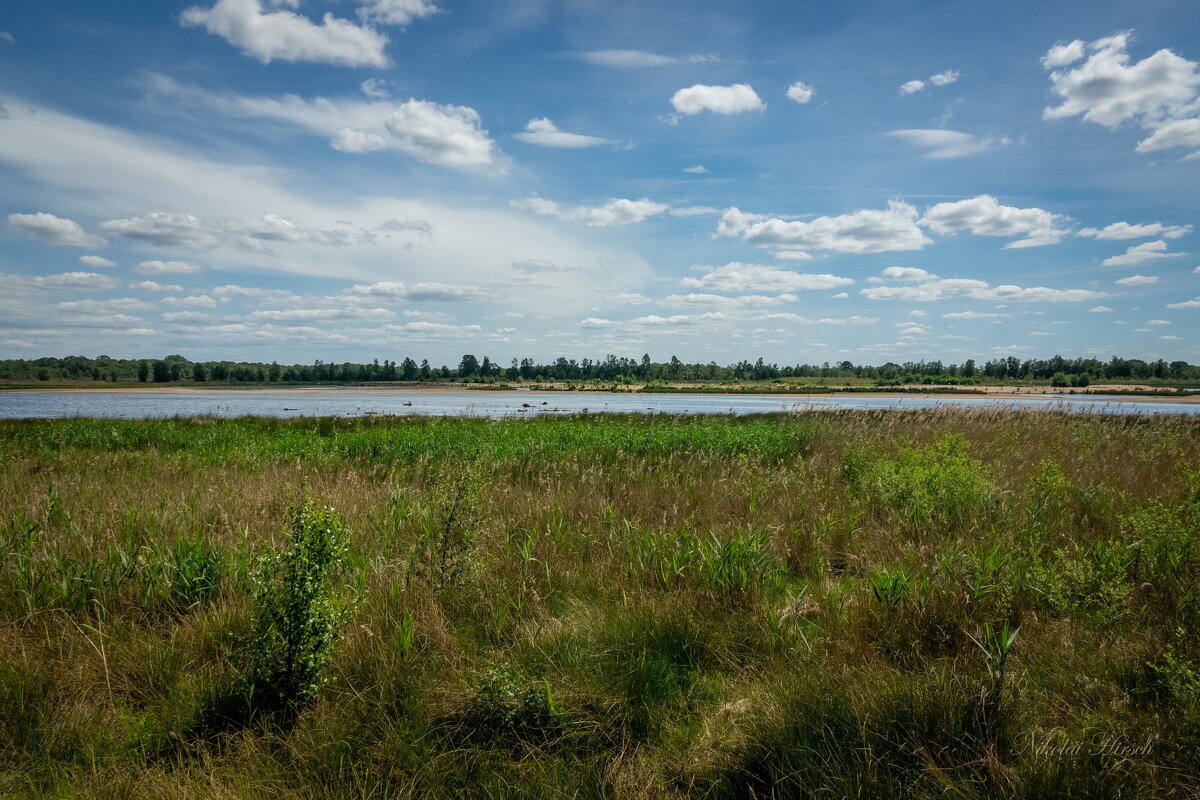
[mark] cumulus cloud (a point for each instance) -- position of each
(800, 92)
(729, 303)
(1060, 55)
(1147, 251)
(165, 230)
(193, 301)
(733, 99)
(1100, 310)
(447, 135)
(53, 230)
(1193, 303)
(419, 292)
(944, 78)
(545, 133)
(287, 36)
(911, 87)
(1138, 280)
(939, 143)
(865, 231)
(973, 315)
(905, 274)
(738, 278)
(618, 211)
(351, 140)
(395, 12)
(984, 216)
(434, 330)
(950, 288)
(115, 304)
(1123, 230)
(157, 267)
(321, 314)
(1159, 93)
(155, 286)
(636, 59)
(96, 262)
(85, 281)
(696, 169)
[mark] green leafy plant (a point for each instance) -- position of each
(298, 612)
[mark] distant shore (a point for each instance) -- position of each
(1130, 392)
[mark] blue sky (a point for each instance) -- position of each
(358, 179)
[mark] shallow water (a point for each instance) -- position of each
(352, 403)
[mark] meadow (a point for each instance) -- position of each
(933, 603)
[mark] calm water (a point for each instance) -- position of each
(351, 403)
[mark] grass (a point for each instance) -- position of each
(826, 604)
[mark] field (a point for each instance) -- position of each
(828, 604)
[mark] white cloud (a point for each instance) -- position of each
(434, 330)
(950, 288)
(944, 78)
(1147, 251)
(545, 133)
(719, 99)
(115, 304)
(800, 92)
(840, 296)
(1171, 338)
(157, 267)
(696, 169)
(7, 37)
(635, 59)
(939, 143)
(1060, 55)
(155, 286)
(972, 315)
(1100, 310)
(1158, 92)
(193, 301)
(420, 292)
(1159, 322)
(288, 36)
(984, 216)
(375, 87)
(53, 230)
(865, 231)
(910, 87)
(441, 134)
(618, 211)
(86, 281)
(906, 274)
(729, 303)
(96, 262)
(1123, 230)
(792, 255)
(395, 12)
(164, 230)
(1193, 303)
(351, 140)
(1176, 133)
(737, 278)
(321, 314)
(1138, 280)
(186, 317)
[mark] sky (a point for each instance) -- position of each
(354, 179)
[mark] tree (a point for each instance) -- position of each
(162, 371)
(468, 366)
(143, 371)
(408, 369)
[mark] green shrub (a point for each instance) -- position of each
(298, 613)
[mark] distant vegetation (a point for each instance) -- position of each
(611, 369)
(918, 604)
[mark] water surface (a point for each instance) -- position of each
(356, 402)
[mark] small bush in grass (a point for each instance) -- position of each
(298, 612)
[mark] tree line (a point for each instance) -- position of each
(614, 369)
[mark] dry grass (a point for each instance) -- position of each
(785, 605)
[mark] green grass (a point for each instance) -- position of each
(919, 604)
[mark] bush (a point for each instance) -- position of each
(297, 612)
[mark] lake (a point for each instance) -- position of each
(356, 402)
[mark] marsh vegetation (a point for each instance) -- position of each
(826, 604)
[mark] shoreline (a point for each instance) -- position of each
(1101, 394)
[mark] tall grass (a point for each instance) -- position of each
(824, 604)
